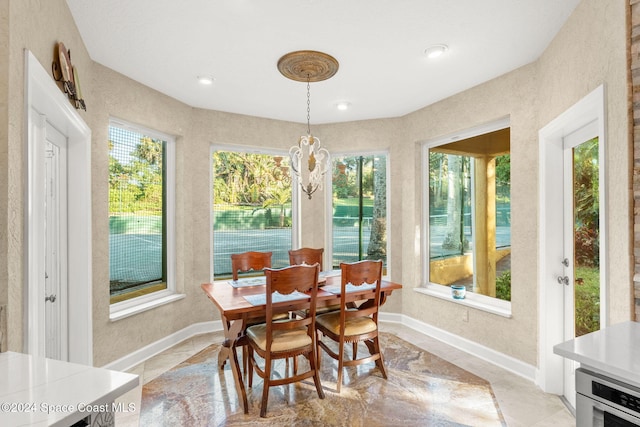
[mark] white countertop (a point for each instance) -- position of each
(36, 391)
(613, 351)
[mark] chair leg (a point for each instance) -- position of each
(242, 393)
(265, 387)
(355, 350)
(250, 362)
(318, 354)
(244, 360)
(316, 373)
(380, 361)
(340, 366)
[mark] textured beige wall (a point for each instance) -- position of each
(590, 51)
(117, 96)
(485, 103)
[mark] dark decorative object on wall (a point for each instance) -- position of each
(66, 73)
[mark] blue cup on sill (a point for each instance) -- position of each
(458, 291)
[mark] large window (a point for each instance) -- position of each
(140, 211)
(359, 228)
(251, 207)
(469, 213)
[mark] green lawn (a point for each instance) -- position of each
(587, 300)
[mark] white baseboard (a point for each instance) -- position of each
(132, 359)
(384, 316)
(499, 359)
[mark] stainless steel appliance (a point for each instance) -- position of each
(603, 401)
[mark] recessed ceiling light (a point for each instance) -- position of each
(435, 50)
(206, 80)
(343, 105)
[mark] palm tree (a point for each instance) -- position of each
(453, 236)
(278, 195)
(378, 241)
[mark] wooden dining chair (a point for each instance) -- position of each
(308, 256)
(353, 325)
(242, 263)
(247, 261)
(281, 339)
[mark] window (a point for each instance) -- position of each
(359, 226)
(252, 209)
(141, 209)
(469, 212)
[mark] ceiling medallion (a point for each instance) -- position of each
(307, 65)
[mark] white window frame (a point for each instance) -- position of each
(329, 204)
(295, 194)
(123, 309)
(475, 300)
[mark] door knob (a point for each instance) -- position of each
(563, 280)
(51, 298)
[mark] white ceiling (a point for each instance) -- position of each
(166, 44)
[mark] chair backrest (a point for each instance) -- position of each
(247, 261)
(306, 256)
(301, 278)
(358, 274)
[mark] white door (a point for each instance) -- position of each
(58, 259)
(55, 245)
(572, 236)
(581, 241)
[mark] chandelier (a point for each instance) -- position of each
(308, 66)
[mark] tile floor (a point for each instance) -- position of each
(521, 402)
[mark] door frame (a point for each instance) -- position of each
(44, 100)
(550, 251)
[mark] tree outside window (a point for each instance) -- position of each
(359, 208)
(470, 214)
(251, 207)
(137, 214)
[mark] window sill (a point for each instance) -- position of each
(480, 302)
(125, 309)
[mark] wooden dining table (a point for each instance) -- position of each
(237, 313)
